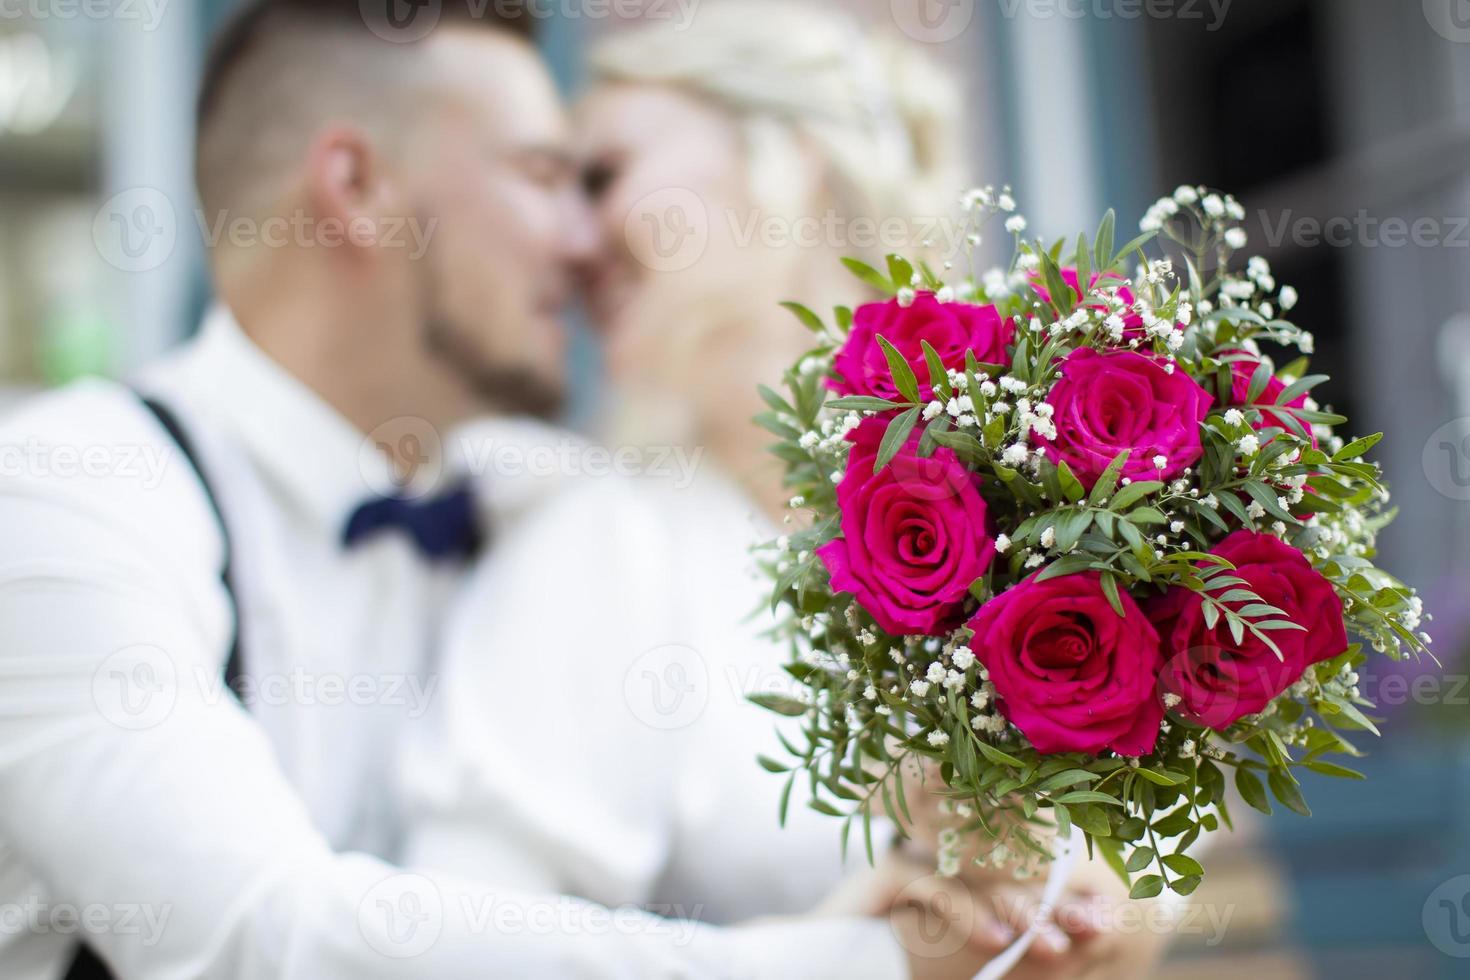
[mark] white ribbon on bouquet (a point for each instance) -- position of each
(1056, 880)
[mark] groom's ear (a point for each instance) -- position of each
(347, 185)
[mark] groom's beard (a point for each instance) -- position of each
(510, 389)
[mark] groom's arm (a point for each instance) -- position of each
(130, 782)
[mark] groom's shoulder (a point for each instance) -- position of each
(92, 454)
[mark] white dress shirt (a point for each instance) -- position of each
(144, 810)
(596, 735)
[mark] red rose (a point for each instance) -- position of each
(1108, 402)
(913, 536)
(1072, 674)
(1220, 680)
(950, 328)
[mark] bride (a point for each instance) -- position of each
(594, 735)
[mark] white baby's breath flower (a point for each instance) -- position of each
(1015, 224)
(1248, 444)
(1014, 455)
(1049, 537)
(962, 657)
(1236, 238)
(1186, 195)
(1234, 416)
(920, 688)
(1161, 462)
(1214, 206)
(937, 739)
(1002, 544)
(1287, 297)
(906, 296)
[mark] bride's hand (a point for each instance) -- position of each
(952, 927)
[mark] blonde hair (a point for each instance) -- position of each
(882, 118)
(832, 117)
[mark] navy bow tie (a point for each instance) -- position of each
(443, 527)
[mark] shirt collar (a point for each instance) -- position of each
(305, 448)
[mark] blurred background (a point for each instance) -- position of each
(1343, 126)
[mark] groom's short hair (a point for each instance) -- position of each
(281, 68)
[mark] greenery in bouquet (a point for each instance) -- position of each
(1065, 532)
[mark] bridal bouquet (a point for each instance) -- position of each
(1071, 537)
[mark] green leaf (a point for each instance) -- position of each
(822, 806)
(1300, 387)
(1288, 792)
(1088, 796)
(1091, 819)
(1251, 790)
(1332, 769)
(1183, 865)
(1356, 448)
(1134, 492)
(771, 765)
(1110, 589)
(1165, 777)
(1069, 777)
(1260, 377)
(774, 400)
(938, 374)
(998, 757)
(1149, 886)
(895, 436)
(1141, 858)
(1102, 242)
(903, 374)
(1071, 486)
(779, 703)
(1186, 885)
(808, 319)
(1267, 498)
(1108, 481)
(900, 270)
(863, 403)
(870, 275)
(1070, 528)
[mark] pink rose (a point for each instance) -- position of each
(1221, 680)
(1132, 322)
(1240, 386)
(950, 328)
(1072, 674)
(1108, 402)
(914, 536)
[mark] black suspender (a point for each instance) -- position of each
(170, 423)
(86, 965)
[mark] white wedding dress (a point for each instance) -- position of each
(591, 734)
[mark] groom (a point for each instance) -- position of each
(202, 671)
